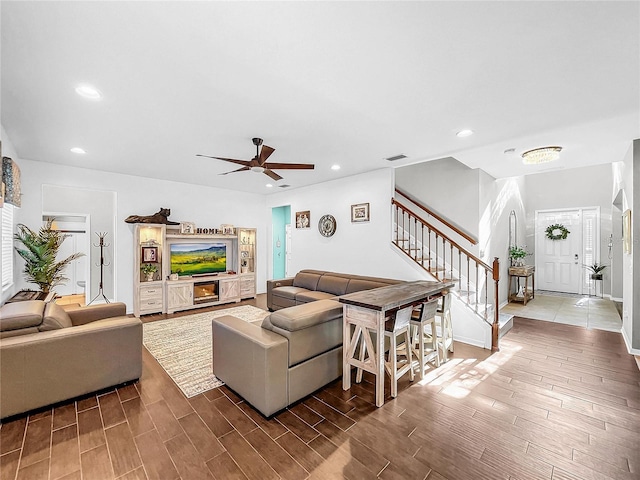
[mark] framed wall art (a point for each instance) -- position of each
(187, 228)
(303, 219)
(149, 254)
(227, 229)
(360, 212)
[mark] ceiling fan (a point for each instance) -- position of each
(259, 162)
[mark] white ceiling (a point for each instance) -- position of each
(322, 82)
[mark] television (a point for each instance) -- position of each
(202, 258)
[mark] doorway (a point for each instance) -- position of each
(560, 264)
(280, 240)
(75, 228)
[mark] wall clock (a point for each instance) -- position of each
(327, 225)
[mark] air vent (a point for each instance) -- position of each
(396, 157)
(284, 186)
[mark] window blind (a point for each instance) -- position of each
(7, 245)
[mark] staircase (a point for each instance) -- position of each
(476, 283)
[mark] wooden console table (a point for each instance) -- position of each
(367, 311)
(517, 273)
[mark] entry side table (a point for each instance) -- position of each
(516, 273)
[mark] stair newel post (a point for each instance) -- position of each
(495, 327)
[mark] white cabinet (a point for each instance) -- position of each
(159, 259)
(150, 297)
(247, 253)
(147, 269)
(179, 296)
(247, 287)
(229, 290)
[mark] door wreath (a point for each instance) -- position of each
(557, 231)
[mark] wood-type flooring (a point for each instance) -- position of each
(557, 402)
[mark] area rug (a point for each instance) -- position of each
(183, 346)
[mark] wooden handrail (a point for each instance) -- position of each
(464, 235)
(493, 270)
(442, 234)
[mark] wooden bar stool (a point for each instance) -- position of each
(397, 325)
(424, 341)
(445, 333)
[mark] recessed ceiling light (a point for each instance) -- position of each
(268, 185)
(78, 150)
(464, 133)
(335, 167)
(88, 91)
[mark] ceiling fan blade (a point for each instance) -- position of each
(265, 153)
(234, 171)
(273, 175)
(232, 160)
(289, 166)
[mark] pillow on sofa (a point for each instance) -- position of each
(21, 315)
(55, 317)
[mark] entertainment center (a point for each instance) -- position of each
(176, 271)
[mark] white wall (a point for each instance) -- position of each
(435, 184)
(631, 262)
(206, 206)
(508, 195)
(360, 248)
(572, 188)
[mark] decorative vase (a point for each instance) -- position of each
(518, 262)
(149, 277)
(596, 276)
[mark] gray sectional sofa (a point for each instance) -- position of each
(49, 354)
(297, 349)
(311, 285)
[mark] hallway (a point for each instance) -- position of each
(579, 310)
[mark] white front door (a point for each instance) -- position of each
(559, 262)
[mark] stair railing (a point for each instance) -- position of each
(435, 252)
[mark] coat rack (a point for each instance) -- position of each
(102, 245)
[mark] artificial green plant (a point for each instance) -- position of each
(39, 251)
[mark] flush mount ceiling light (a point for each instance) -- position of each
(268, 185)
(464, 133)
(89, 92)
(78, 150)
(541, 155)
(335, 167)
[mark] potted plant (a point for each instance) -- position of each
(149, 269)
(39, 251)
(517, 254)
(596, 270)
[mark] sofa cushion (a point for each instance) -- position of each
(333, 284)
(359, 284)
(288, 292)
(307, 279)
(311, 296)
(311, 329)
(55, 317)
(305, 316)
(19, 315)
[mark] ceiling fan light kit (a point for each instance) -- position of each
(259, 163)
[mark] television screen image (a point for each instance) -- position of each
(198, 258)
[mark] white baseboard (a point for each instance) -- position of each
(627, 341)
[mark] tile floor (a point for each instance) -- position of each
(581, 310)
